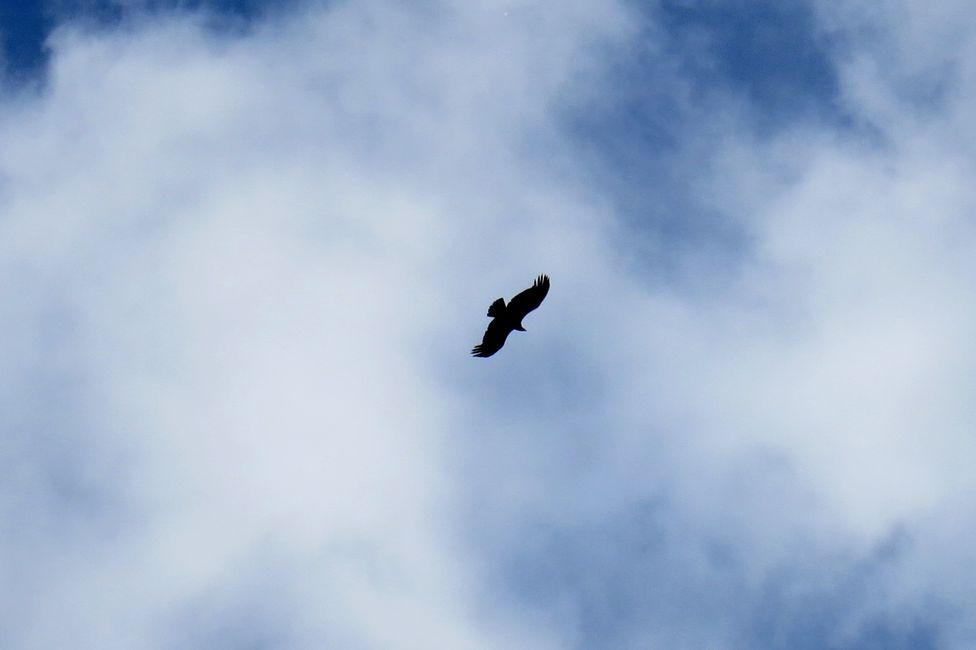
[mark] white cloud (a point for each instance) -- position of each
(250, 250)
(811, 418)
(247, 272)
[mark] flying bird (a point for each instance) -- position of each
(506, 318)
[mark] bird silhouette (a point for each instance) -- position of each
(506, 318)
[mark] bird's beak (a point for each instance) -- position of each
(520, 328)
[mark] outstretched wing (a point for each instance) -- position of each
(494, 339)
(529, 299)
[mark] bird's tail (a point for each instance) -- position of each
(497, 308)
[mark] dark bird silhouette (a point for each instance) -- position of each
(506, 318)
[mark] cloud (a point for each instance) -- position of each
(797, 431)
(246, 268)
(236, 259)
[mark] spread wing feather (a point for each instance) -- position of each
(493, 340)
(529, 299)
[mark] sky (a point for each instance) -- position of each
(246, 248)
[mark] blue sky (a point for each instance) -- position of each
(248, 247)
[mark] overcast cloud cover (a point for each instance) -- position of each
(245, 251)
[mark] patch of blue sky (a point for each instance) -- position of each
(769, 52)
(695, 68)
(23, 27)
(26, 24)
(636, 577)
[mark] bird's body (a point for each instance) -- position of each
(508, 318)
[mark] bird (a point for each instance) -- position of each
(506, 318)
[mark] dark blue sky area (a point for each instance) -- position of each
(764, 60)
(24, 24)
(767, 49)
